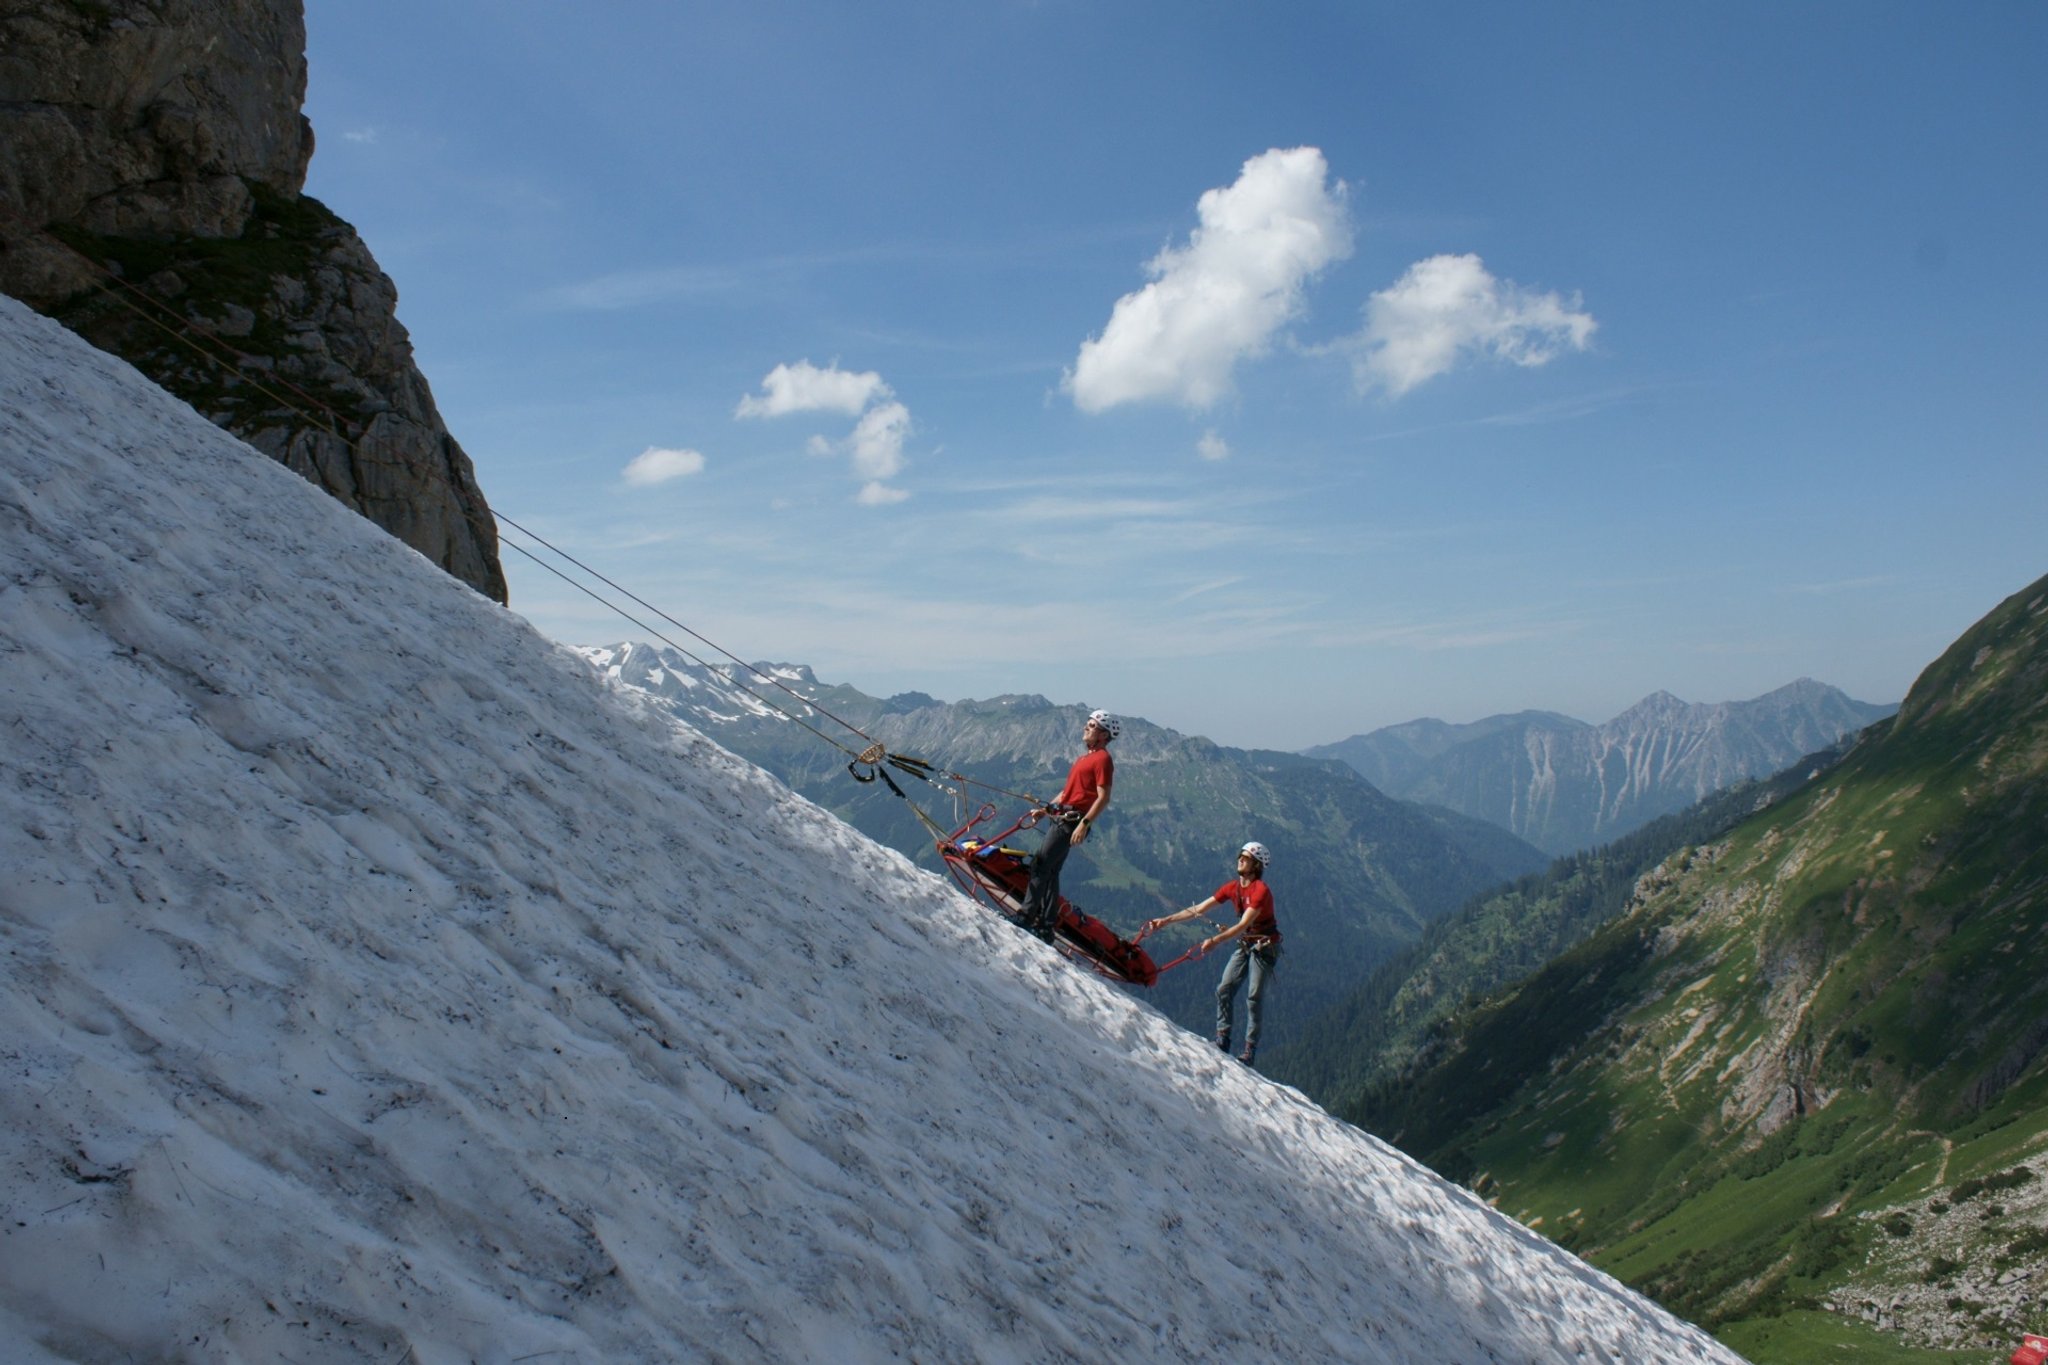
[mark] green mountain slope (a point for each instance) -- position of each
(1400, 1018)
(1771, 1084)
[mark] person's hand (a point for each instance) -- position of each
(1080, 834)
(1207, 944)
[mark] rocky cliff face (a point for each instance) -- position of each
(152, 154)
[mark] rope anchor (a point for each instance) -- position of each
(872, 757)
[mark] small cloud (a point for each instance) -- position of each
(638, 289)
(1866, 584)
(803, 387)
(1431, 637)
(1065, 510)
(363, 135)
(877, 441)
(1201, 588)
(656, 466)
(1448, 307)
(875, 445)
(1212, 446)
(1220, 298)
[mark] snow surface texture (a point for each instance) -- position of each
(379, 987)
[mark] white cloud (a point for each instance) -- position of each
(1447, 307)
(1065, 510)
(1846, 585)
(1212, 446)
(803, 387)
(1221, 297)
(638, 289)
(877, 441)
(655, 465)
(879, 495)
(1199, 589)
(875, 445)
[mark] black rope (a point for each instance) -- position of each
(186, 329)
(771, 679)
(182, 329)
(871, 757)
(610, 606)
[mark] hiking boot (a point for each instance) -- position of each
(1223, 1042)
(1247, 1055)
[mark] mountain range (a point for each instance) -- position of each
(1565, 785)
(379, 986)
(1357, 875)
(1806, 1069)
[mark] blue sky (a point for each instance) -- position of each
(1272, 372)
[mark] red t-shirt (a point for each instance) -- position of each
(1091, 772)
(1256, 898)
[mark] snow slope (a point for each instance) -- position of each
(378, 987)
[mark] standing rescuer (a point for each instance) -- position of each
(1084, 798)
(1257, 934)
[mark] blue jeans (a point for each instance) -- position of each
(1041, 910)
(1260, 963)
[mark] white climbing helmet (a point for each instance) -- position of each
(1257, 851)
(1110, 725)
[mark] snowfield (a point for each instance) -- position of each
(379, 987)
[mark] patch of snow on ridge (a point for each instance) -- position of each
(380, 985)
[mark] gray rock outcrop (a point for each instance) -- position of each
(152, 158)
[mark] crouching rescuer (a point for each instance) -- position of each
(1257, 936)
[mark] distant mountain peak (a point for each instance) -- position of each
(1565, 786)
(1658, 703)
(787, 673)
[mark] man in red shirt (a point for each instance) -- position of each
(1085, 797)
(1257, 934)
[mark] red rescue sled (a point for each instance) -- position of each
(997, 876)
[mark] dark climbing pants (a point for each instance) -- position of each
(1260, 963)
(1041, 910)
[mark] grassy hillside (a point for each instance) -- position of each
(1400, 1019)
(1770, 1087)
